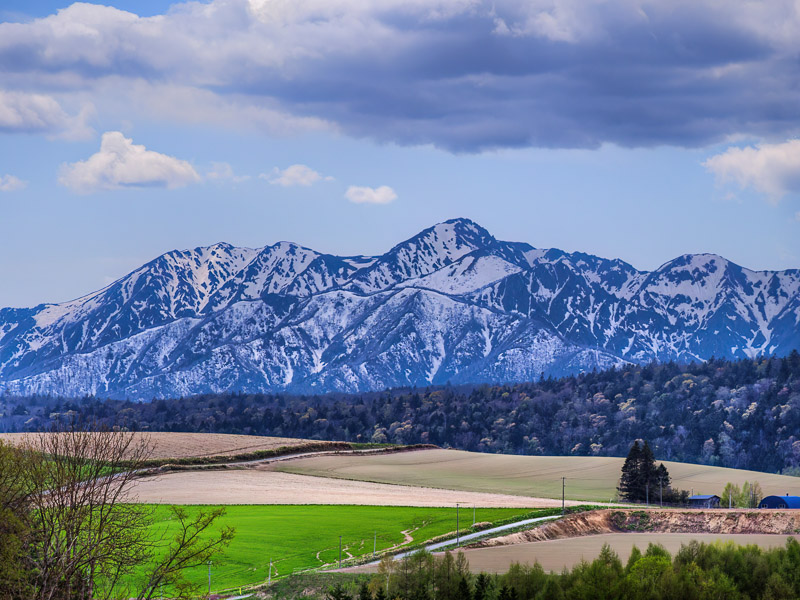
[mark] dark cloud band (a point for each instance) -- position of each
(462, 76)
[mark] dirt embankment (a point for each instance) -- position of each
(657, 521)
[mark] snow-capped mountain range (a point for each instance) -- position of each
(450, 304)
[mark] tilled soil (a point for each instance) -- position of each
(195, 445)
(253, 486)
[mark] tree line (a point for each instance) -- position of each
(742, 414)
(698, 571)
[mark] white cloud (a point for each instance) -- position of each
(189, 104)
(121, 164)
(367, 195)
(295, 175)
(770, 169)
(37, 113)
(365, 68)
(9, 183)
(222, 171)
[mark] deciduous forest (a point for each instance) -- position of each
(743, 414)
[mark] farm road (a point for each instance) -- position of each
(464, 538)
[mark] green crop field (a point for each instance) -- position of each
(300, 537)
(588, 478)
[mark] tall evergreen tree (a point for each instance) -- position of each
(629, 482)
(482, 587)
(464, 589)
(647, 473)
(641, 480)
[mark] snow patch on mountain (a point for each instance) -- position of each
(451, 304)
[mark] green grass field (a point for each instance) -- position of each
(302, 537)
(587, 478)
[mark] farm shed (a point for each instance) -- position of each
(704, 501)
(786, 501)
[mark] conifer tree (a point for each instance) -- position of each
(363, 593)
(482, 587)
(629, 483)
(648, 472)
(641, 479)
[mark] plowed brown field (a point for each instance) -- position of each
(252, 486)
(197, 445)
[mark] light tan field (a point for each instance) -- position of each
(554, 555)
(587, 478)
(249, 486)
(195, 445)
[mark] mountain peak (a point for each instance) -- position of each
(450, 303)
(453, 238)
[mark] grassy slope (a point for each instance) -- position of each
(293, 535)
(588, 478)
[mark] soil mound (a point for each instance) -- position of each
(656, 521)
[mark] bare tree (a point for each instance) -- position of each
(15, 579)
(86, 538)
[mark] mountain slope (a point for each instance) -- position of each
(450, 304)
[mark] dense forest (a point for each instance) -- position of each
(742, 414)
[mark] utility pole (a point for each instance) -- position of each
(473, 515)
(375, 545)
(661, 493)
(458, 535)
(340, 552)
(209, 578)
(647, 493)
(563, 496)
(269, 581)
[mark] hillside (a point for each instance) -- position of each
(451, 304)
(588, 478)
(743, 414)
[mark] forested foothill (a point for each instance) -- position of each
(743, 414)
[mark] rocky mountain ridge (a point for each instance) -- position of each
(450, 304)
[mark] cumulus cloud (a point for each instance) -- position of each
(222, 171)
(10, 183)
(770, 169)
(295, 175)
(122, 164)
(37, 113)
(464, 75)
(367, 195)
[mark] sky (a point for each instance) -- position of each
(633, 129)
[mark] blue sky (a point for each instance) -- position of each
(638, 130)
